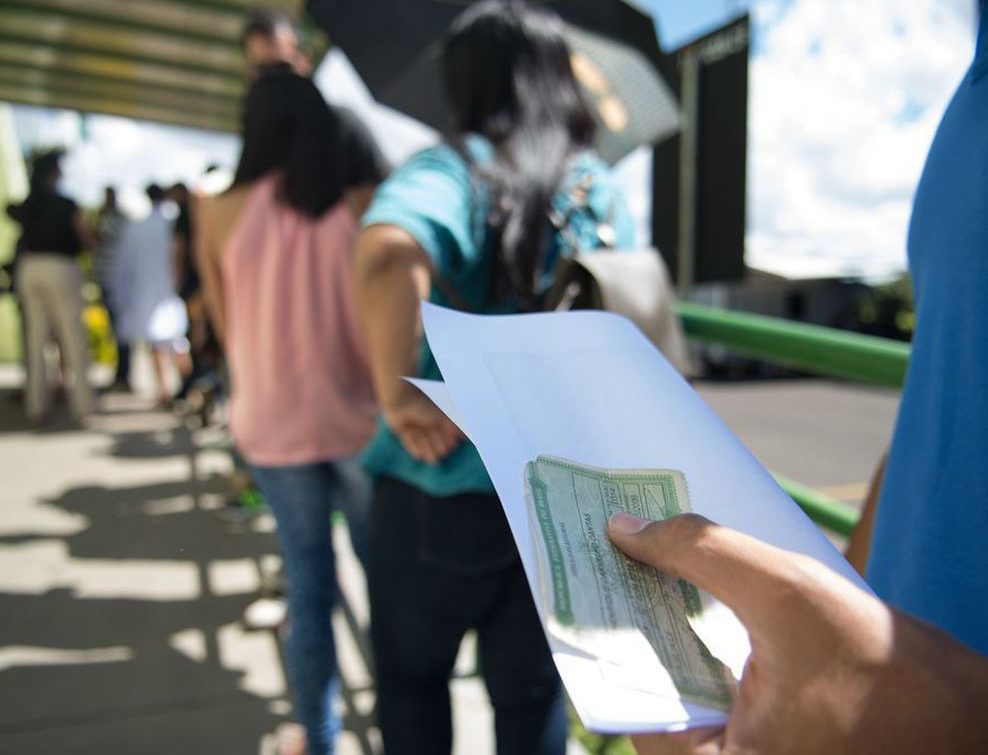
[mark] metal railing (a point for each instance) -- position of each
(819, 350)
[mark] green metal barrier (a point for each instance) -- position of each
(828, 512)
(819, 350)
(823, 351)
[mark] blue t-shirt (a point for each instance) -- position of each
(437, 200)
(930, 550)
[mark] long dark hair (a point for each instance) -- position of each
(508, 78)
(289, 128)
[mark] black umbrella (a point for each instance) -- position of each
(396, 45)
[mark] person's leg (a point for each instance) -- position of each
(419, 614)
(34, 310)
(73, 340)
(181, 357)
(354, 500)
(121, 376)
(521, 677)
(161, 358)
(301, 499)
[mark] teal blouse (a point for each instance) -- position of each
(438, 201)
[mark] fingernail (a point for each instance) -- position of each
(624, 523)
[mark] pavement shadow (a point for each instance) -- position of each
(132, 691)
(152, 445)
(164, 520)
(118, 637)
(13, 419)
(123, 636)
(112, 674)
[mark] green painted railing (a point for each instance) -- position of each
(822, 351)
(815, 349)
(828, 512)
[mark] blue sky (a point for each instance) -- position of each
(679, 21)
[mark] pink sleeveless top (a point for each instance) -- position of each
(301, 387)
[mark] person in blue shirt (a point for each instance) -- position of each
(467, 225)
(929, 547)
(833, 669)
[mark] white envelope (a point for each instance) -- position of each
(589, 387)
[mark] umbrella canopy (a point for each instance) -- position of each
(396, 46)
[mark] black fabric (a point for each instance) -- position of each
(183, 223)
(47, 223)
(190, 284)
(432, 577)
(365, 163)
(122, 375)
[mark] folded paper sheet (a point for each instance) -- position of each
(588, 386)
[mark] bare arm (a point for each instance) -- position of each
(208, 253)
(393, 275)
(859, 544)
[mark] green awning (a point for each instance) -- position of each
(173, 61)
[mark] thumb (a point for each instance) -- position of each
(743, 573)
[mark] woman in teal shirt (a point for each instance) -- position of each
(467, 225)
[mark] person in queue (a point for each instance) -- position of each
(923, 534)
(143, 293)
(467, 225)
(833, 669)
(49, 284)
(277, 252)
(270, 36)
(110, 220)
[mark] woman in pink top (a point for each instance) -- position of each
(277, 252)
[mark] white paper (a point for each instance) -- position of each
(440, 396)
(588, 386)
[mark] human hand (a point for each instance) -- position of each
(426, 433)
(832, 669)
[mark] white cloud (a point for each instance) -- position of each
(844, 101)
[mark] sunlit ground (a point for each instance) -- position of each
(124, 575)
(123, 580)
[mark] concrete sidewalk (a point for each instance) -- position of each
(123, 581)
(124, 576)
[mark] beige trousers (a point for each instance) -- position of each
(50, 290)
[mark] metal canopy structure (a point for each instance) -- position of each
(173, 61)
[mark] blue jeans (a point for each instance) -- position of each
(302, 499)
(441, 566)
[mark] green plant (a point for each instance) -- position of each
(888, 311)
(599, 744)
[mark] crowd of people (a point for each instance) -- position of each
(145, 272)
(307, 273)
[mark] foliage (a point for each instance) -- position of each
(888, 310)
(599, 744)
(102, 347)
